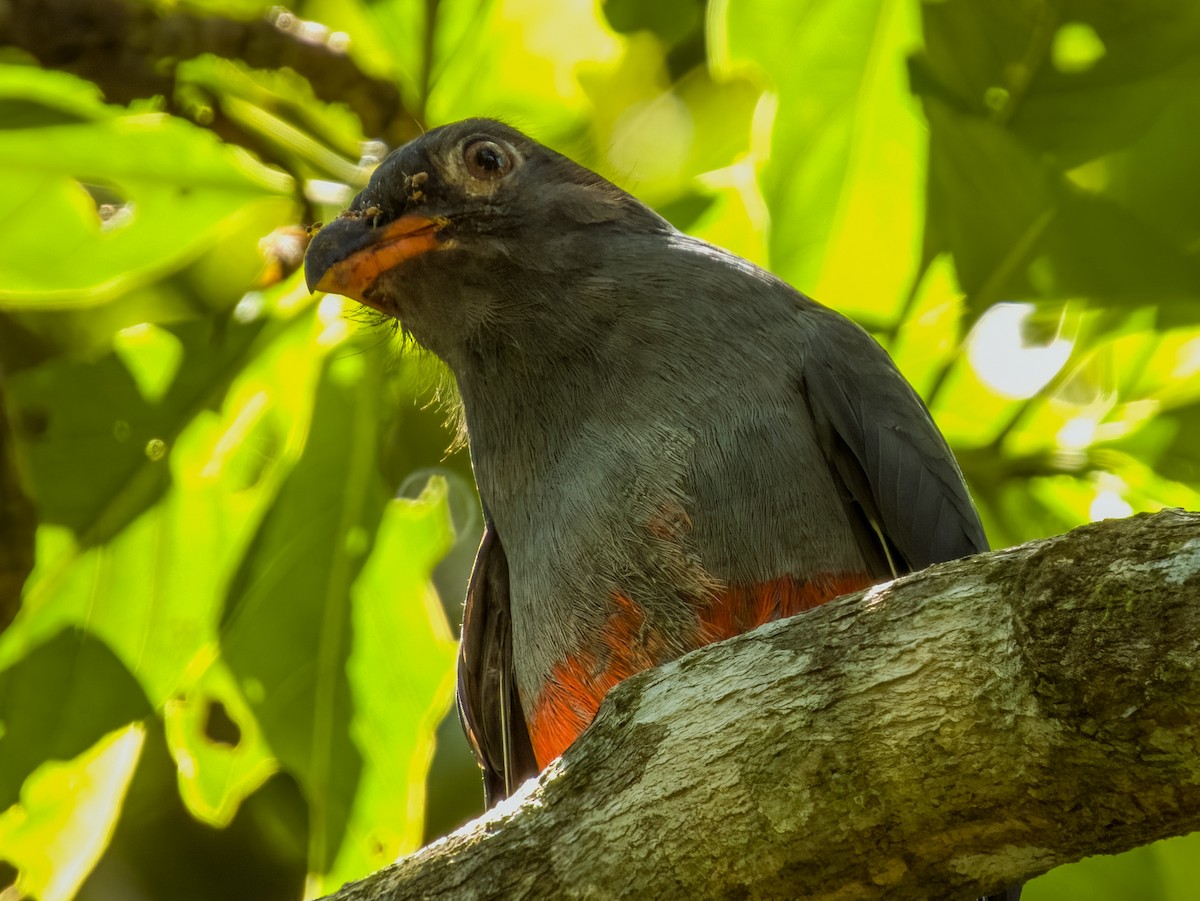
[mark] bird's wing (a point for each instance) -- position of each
(488, 705)
(904, 490)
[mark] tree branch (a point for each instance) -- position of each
(130, 49)
(953, 732)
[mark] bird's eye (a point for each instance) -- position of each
(487, 160)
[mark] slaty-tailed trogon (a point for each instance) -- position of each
(672, 446)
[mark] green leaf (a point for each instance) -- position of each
(151, 584)
(844, 156)
(928, 341)
(58, 701)
(509, 58)
(32, 98)
(659, 139)
(1030, 166)
(1163, 871)
(170, 189)
(66, 815)
(311, 658)
(997, 60)
(990, 202)
(400, 697)
(156, 531)
(151, 356)
(220, 752)
(502, 58)
(278, 107)
(97, 455)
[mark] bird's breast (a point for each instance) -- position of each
(637, 543)
(643, 517)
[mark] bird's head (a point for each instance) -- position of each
(475, 228)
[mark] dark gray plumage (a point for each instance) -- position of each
(670, 443)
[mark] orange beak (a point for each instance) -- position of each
(348, 255)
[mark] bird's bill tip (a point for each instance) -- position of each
(347, 255)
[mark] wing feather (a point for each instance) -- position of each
(894, 465)
(488, 705)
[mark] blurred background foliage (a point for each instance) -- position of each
(233, 542)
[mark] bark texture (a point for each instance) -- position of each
(961, 729)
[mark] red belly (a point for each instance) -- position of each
(570, 698)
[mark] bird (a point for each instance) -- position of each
(671, 445)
